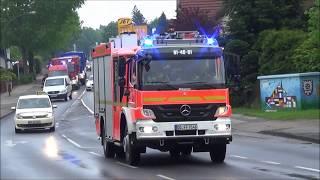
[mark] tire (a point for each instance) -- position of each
(131, 154)
(218, 153)
(108, 147)
(120, 153)
(17, 130)
(52, 129)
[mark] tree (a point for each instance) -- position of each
(306, 56)
(38, 26)
(137, 16)
(111, 30)
(162, 25)
(152, 24)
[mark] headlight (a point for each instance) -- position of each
(148, 113)
(63, 91)
(19, 116)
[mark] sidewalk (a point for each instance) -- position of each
(8, 101)
(306, 130)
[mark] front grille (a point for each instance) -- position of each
(187, 132)
(34, 117)
(171, 113)
(34, 125)
(53, 92)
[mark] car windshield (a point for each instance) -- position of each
(33, 103)
(54, 82)
(205, 73)
(57, 73)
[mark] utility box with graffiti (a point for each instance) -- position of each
(290, 91)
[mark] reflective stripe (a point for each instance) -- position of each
(215, 97)
(153, 99)
(192, 98)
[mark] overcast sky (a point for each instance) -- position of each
(100, 12)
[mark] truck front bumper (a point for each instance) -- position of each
(150, 130)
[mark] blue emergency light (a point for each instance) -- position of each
(212, 41)
(148, 42)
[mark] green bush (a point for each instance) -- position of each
(7, 75)
(26, 79)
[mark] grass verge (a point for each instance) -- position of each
(280, 115)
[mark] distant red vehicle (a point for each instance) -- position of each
(58, 70)
(73, 66)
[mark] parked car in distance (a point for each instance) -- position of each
(89, 83)
(34, 112)
(58, 87)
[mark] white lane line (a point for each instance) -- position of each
(96, 154)
(306, 168)
(126, 165)
(271, 162)
(80, 97)
(241, 157)
(87, 107)
(71, 141)
(165, 177)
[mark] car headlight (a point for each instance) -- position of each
(63, 91)
(19, 116)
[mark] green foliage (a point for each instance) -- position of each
(153, 24)
(137, 16)
(26, 79)
(6, 75)
(87, 38)
(162, 25)
(306, 56)
(238, 47)
(15, 53)
(111, 30)
(276, 48)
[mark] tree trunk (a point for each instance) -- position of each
(25, 60)
(31, 62)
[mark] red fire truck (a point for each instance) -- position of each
(73, 64)
(168, 94)
(58, 70)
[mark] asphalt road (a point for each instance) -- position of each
(73, 152)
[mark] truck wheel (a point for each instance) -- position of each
(108, 148)
(131, 154)
(218, 153)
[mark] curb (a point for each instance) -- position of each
(292, 136)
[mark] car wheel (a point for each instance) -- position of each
(131, 154)
(17, 130)
(52, 129)
(218, 153)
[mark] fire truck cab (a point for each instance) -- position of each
(168, 94)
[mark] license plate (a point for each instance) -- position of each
(33, 122)
(53, 95)
(184, 127)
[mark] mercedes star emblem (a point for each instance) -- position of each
(185, 110)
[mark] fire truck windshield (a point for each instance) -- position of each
(183, 73)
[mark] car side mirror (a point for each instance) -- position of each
(54, 106)
(13, 108)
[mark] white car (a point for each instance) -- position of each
(58, 87)
(34, 112)
(89, 83)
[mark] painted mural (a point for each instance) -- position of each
(280, 99)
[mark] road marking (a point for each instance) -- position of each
(87, 107)
(10, 143)
(126, 165)
(71, 141)
(271, 162)
(165, 177)
(306, 168)
(241, 157)
(96, 154)
(80, 97)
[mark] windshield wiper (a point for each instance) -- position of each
(162, 83)
(199, 83)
